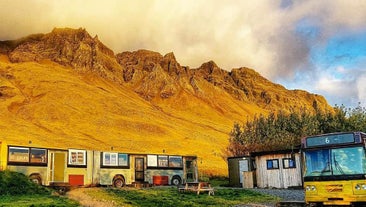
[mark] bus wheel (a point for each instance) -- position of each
(176, 180)
(118, 182)
(35, 179)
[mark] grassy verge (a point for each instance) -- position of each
(35, 200)
(169, 196)
(17, 190)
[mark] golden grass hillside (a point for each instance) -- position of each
(66, 89)
(55, 106)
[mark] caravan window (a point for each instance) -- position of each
(18, 154)
(77, 157)
(123, 160)
(38, 155)
(152, 160)
(109, 159)
(163, 161)
(114, 160)
(175, 161)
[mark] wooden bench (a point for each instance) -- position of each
(197, 187)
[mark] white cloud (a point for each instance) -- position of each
(258, 34)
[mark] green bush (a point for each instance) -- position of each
(13, 183)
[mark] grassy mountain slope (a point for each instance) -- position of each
(66, 89)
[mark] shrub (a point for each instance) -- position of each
(13, 183)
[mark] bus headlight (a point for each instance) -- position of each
(360, 186)
(310, 188)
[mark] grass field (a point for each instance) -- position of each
(16, 190)
(36, 200)
(171, 197)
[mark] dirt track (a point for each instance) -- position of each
(82, 196)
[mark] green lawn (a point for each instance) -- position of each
(16, 190)
(36, 200)
(169, 196)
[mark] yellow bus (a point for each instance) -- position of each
(335, 169)
(79, 167)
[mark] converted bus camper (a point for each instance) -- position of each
(78, 167)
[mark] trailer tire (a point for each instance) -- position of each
(176, 180)
(118, 182)
(35, 178)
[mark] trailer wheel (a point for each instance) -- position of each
(118, 182)
(176, 180)
(35, 179)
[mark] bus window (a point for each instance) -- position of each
(38, 155)
(175, 161)
(77, 157)
(317, 162)
(109, 159)
(18, 154)
(122, 159)
(347, 161)
(163, 161)
(340, 161)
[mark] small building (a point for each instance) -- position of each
(272, 169)
(237, 166)
(278, 169)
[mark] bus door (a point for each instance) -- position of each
(57, 166)
(191, 171)
(139, 169)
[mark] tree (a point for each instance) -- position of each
(284, 131)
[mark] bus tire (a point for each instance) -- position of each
(35, 178)
(176, 180)
(118, 182)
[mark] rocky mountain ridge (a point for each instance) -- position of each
(152, 75)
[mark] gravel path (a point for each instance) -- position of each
(285, 194)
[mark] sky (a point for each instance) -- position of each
(312, 45)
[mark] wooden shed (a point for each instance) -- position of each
(237, 167)
(278, 169)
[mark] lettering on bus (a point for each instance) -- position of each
(330, 139)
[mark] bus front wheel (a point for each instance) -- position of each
(176, 180)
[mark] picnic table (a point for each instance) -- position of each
(197, 187)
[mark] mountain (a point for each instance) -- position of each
(67, 89)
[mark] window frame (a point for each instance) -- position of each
(152, 161)
(23, 155)
(71, 163)
(158, 162)
(170, 162)
(116, 164)
(28, 161)
(288, 161)
(272, 161)
(163, 161)
(44, 157)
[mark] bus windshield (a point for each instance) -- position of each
(339, 161)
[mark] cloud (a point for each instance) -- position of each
(276, 38)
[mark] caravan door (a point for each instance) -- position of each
(57, 166)
(139, 169)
